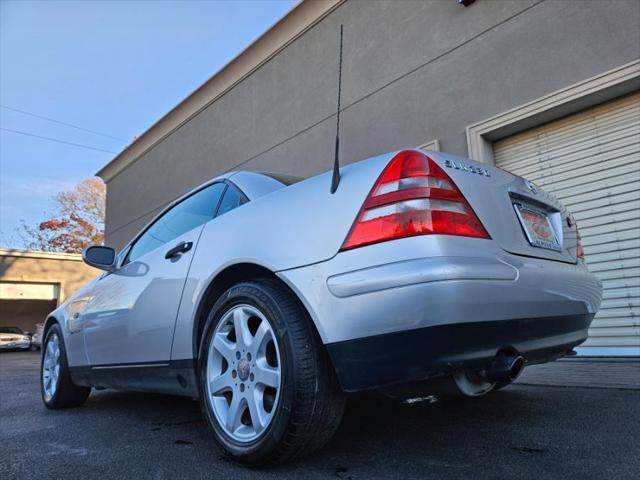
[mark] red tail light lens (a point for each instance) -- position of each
(413, 196)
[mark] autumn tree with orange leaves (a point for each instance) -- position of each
(78, 221)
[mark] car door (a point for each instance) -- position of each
(131, 316)
(206, 261)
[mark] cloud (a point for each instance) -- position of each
(29, 199)
(30, 187)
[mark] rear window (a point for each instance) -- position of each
(283, 178)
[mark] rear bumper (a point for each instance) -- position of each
(431, 352)
(422, 306)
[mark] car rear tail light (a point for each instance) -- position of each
(413, 196)
(579, 249)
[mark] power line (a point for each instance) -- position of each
(24, 112)
(56, 140)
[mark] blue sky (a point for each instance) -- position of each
(114, 67)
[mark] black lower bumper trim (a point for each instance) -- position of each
(415, 355)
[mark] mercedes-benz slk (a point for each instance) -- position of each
(270, 299)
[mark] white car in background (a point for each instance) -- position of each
(13, 338)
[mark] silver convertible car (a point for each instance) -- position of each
(270, 298)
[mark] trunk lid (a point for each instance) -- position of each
(513, 210)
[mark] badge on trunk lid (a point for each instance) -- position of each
(466, 168)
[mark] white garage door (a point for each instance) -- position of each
(591, 162)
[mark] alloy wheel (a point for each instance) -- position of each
(243, 374)
(51, 367)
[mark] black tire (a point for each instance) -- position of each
(66, 394)
(310, 405)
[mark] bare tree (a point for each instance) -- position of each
(78, 221)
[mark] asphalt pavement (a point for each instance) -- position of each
(526, 431)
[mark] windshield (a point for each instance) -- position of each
(10, 330)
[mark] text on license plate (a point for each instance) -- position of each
(537, 227)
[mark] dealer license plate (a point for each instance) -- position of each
(537, 227)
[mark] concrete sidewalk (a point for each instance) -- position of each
(588, 372)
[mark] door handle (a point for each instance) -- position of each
(182, 247)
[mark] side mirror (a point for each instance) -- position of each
(100, 257)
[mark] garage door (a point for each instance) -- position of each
(591, 162)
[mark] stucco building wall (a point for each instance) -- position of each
(413, 71)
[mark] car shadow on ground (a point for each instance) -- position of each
(523, 431)
(371, 423)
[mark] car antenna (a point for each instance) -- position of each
(335, 178)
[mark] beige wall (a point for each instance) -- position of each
(66, 270)
(413, 71)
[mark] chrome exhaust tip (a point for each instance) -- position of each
(505, 367)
